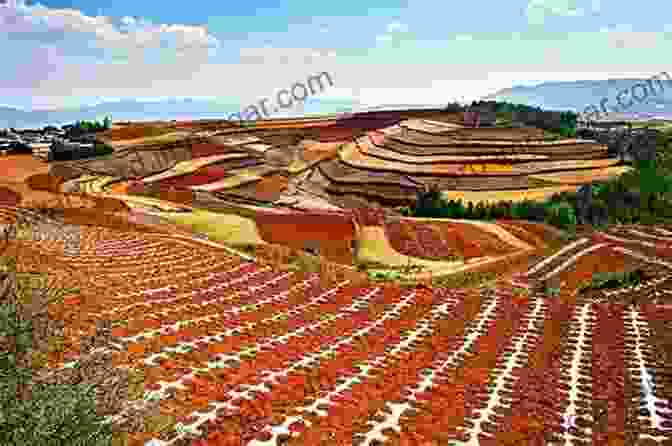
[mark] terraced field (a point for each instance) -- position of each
(373, 157)
(234, 351)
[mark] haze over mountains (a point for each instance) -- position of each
(164, 110)
(575, 96)
(578, 95)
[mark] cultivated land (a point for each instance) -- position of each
(240, 336)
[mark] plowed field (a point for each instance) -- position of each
(238, 353)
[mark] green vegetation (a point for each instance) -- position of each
(38, 413)
(556, 123)
(230, 229)
(465, 279)
(384, 275)
(642, 195)
(99, 149)
(90, 126)
(611, 280)
(552, 291)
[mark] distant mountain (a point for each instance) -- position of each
(134, 110)
(578, 95)
(126, 110)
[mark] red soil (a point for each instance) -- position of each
(17, 168)
(204, 175)
(278, 228)
(8, 197)
(208, 149)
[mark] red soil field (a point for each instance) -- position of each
(44, 181)
(208, 149)
(8, 197)
(278, 228)
(330, 134)
(16, 168)
(204, 175)
(602, 260)
(134, 131)
(268, 188)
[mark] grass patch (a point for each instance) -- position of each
(465, 279)
(611, 280)
(229, 229)
(37, 413)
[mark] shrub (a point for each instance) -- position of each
(614, 280)
(459, 209)
(479, 211)
(561, 215)
(405, 211)
(58, 415)
(37, 413)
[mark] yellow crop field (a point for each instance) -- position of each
(537, 194)
(583, 176)
(488, 167)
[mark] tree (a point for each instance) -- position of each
(470, 210)
(480, 211)
(459, 209)
(487, 212)
(107, 122)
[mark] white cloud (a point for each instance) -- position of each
(537, 10)
(397, 27)
(130, 34)
(393, 31)
(622, 36)
(272, 55)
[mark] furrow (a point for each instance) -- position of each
(641, 256)
(550, 259)
(249, 326)
(650, 416)
(644, 234)
(577, 416)
(611, 387)
(305, 359)
(626, 241)
(160, 302)
(423, 326)
(502, 377)
(573, 259)
(210, 317)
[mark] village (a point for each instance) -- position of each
(50, 143)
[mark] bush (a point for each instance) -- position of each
(102, 149)
(561, 215)
(36, 413)
(479, 211)
(405, 211)
(58, 415)
(469, 212)
(610, 280)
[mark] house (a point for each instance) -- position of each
(40, 150)
(62, 149)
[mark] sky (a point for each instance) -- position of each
(68, 53)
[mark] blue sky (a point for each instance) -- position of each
(68, 53)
